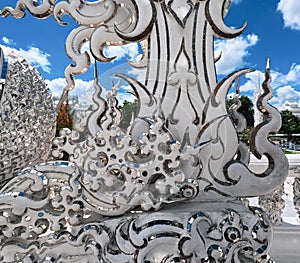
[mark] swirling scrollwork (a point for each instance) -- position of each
(44, 10)
(120, 173)
(218, 234)
(260, 145)
(181, 145)
(197, 116)
(103, 23)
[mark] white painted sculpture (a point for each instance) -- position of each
(181, 154)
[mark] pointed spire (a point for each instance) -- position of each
(238, 86)
(64, 116)
(95, 71)
(258, 116)
(268, 64)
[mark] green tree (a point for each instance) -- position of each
(246, 109)
(290, 123)
(127, 109)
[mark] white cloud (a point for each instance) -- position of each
(33, 55)
(37, 58)
(138, 73)
(294, 73)
(253, 80)
(290, 10)
(83, 89)
(291, 78)
(56, 86)
(283, 94)
(285, 86)
(236, 1)
(234, 52)
(8, 41)
(256, 78)
(130, 50)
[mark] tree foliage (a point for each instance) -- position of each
(246, 109)
(127, 109)
(290, 123)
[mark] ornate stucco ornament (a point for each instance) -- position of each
(182, 144)
(181, 97)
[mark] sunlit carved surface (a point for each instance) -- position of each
(183, 144)
(27, 118)
(273, 205)
(180, 103)
(50, 223)
(297, 195)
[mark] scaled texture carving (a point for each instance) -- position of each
(27, 117)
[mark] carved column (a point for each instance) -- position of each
(297, 195)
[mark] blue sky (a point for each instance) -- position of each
(273, 29)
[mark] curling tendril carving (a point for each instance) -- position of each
(181, 145)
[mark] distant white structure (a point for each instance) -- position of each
(292, 106)
(258, 116)
(74, 104)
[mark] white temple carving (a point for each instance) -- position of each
(168, 188)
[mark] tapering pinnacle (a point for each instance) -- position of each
(268, 66)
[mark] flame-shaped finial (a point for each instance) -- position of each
(96, 71)
(268, 64)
